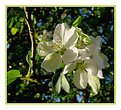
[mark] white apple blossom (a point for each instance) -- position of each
(81, 69)
(61, 49)
(95, 53)
(80, 54)
(89, 64)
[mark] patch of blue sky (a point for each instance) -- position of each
(8, 46)
(109, 79)
(40, 23)
(57, 99)
(79, 96)
(104, 39)
(82, 12)
(111, 28)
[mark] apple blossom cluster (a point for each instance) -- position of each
(80, 54)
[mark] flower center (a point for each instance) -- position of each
(80, 65)
(58, 48)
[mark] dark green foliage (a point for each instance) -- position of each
(92, 20)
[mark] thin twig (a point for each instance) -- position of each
(29, 29)
(29, 79)
(31, 37)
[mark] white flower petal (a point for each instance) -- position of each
(94, 82)
(80, 79)
(64, 35)
(100, 74)
(91, 49)
(70, 55)
(99, 60)
(91, 67)
(70, 38)
(84, 54)
(105, 59)
(65, 83)
(98, 41)
(57, 36)
(51, 62)
(92, 39)
(44, 48)
(94, 47)
(64, 30)
(69, 68)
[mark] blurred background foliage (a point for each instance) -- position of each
(43, 20)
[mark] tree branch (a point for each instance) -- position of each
(28, 22)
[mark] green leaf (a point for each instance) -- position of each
(14, 30)
(21, 28)
(83, 39)
(10, 22)
(86, 39)
(77, 21)
(12, 75)
(37, 95)
(94, 82)
(65, 84)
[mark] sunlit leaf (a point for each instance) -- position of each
(37, 95)
(77, 21)
(10, 23)
(84, 39)
(21, 29)
(12, 75)
(14, 30)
